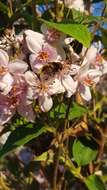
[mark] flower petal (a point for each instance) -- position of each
(34, 40)
(27, 112)
(52, 56)
(68, 40)
(75, 4)
(74, 69)
(31, 78)
(34, 34)
(69, 84)
(18, 66)
(4, 58)
(94, 74)
(45, 102)
(61, 53)
(6, 84)
(6, 112)
(104, 67)
(33, 45)
(85, 92)
(91, 54)
(36, 66)
(56, 87)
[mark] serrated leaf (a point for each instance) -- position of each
(84, 151)
(94, 182)
(79, 32)
(76, 111)
(21, 136)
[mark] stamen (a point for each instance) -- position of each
(13, 99)
(3, 70)
(88, 81)
(99, 58)
(43, 87)
(43, 56)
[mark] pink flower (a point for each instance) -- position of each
(21, 99)
(91, 54)
(100, 63)
(65, 75)
(43, 55)
(52, 35)
(6, 79)
(87, 78)
(41, 51)
(7, 70)
(43, 90)
(6, 110)
(75, 4)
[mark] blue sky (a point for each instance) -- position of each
(97, 10)
(98, 7)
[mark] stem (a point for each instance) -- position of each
(56, 163)
(102, 143)
(56, 159)
(56, 10)
(34, 13)
(104, 9)
(59, 149)
(10, 7)
(88, 5)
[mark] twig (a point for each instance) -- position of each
(58, 151)
(34, 13)
(56, 163)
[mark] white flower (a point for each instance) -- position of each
(87, 78)
(65, 75)
(41, 51)
(91, 54)
(6, 79)
(100, 63)
(43, 90)
(52, 35)
(8, 70)
(76, 4)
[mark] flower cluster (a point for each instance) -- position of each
(46, 66)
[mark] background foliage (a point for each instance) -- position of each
(65, 148)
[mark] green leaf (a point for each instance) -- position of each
(46, 156)
(94, 182)
(76, 111)
(84, 151)
(27, 17)
(42, 2)
(78, 31)
(3, 8)
(81, 17)
(21, 136)
(59, 111)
